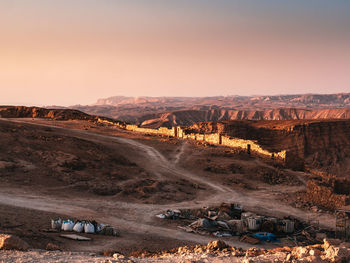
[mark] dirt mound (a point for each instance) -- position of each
(36, 112)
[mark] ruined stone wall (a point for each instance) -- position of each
(160, 131)
(180, 132)
(105, 121)
(212, 138)
(254, 147)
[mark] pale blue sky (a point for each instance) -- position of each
(98, 48)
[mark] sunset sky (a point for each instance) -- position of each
(65, 52)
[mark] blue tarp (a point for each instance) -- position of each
(265, 236)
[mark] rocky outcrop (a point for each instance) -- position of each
(36, 112)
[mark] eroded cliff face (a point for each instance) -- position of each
(189, 117)
(323, 145)
(36, 112)
(326, 146)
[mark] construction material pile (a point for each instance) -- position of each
(230, 220)
(83, 226)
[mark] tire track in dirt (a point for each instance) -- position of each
(180, 152)
(162, 164)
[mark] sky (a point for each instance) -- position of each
(67, 52)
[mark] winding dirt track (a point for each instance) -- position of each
(139, 218)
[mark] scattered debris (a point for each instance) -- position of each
(229, 220)
(288, 226)
(249, 239)
(265, 236)
(254, 223)
(170, 214)
(222, 234)
(56, 223)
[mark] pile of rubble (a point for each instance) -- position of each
(330, 251)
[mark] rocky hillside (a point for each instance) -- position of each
(36, 112)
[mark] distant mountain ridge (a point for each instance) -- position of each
(188, 117)
(290, 101)
(154, 112)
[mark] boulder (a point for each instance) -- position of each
(300, 252)
(336, 254)
(10, 242)
(216, 245)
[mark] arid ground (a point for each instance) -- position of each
(81, 170)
